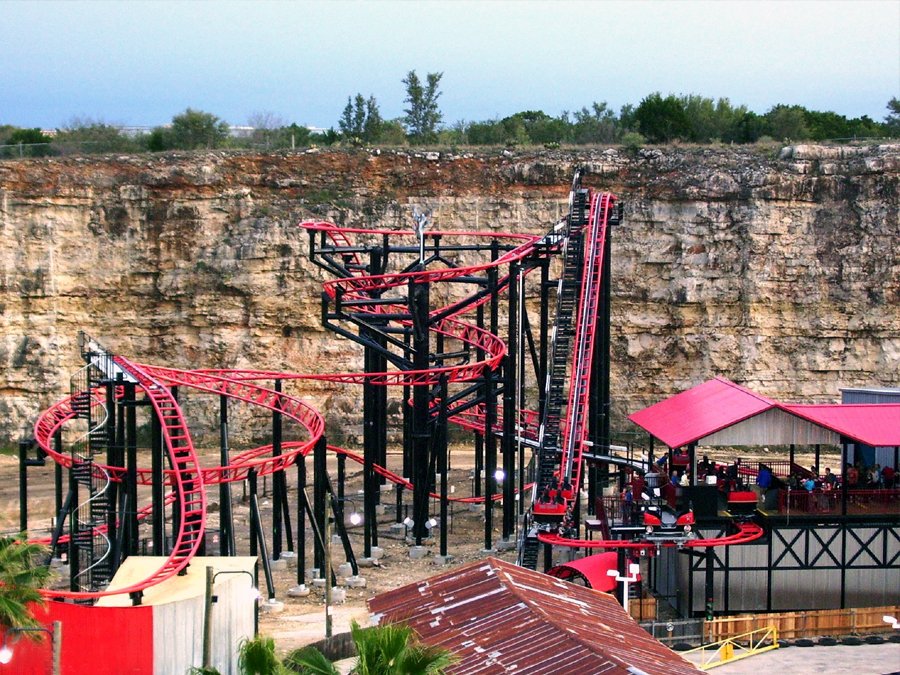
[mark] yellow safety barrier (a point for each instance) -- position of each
(736, 648)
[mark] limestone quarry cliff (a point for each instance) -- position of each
(778, 271)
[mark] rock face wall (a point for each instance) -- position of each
(782, 274)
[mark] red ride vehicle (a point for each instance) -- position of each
(664, 523)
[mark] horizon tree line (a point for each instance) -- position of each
(657, 119)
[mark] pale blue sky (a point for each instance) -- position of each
(139, 63)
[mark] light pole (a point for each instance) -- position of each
(211, 575)
(633, 570)
(6, 652)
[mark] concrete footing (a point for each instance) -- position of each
(443, 559)
(271, 606)
(300, 591)
(417, 552)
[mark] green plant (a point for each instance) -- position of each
(200, 670)
(257, 657)
(387, 649)
(309, 661)
(21, 577)
(632, 141)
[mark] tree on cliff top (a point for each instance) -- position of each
(190, 130)
(892, 121)
(662, 120)
(361, 119)
(423, 115)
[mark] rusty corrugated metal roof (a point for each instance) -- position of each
(500, 618)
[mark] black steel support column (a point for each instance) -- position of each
(544, 336)
(419, 309)
(251, 494)
(23, 485)
(74, 555)
(479, 437)
(301, 519)
(710, 586)
(113, 458)
(341, 475)
(226, 520)
(157, 487)
(490, 417)
(601, 409)
(131, 521)
(509, 407)
(121, 493)
(320, 480)
(441, 433)
(371, 413)
(278, 482)
(58, 484)
(407, 418)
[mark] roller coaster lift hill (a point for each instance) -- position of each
(540, 396)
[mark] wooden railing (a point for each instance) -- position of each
(793, 625)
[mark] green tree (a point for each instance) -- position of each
(21, 577)
(393, 133)
(423, 115)
(34, 143)
(387, 649)
(787, 122)
(361, 119)
(294, 136)
(485, 133)
(194, 129)
(597, 125)
(627, 121)
(662, 120)
(93, 136)
(892, 120)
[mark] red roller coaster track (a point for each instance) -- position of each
(187, 480)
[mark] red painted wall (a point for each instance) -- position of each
(95, 641)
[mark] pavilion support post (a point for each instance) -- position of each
(844, 478)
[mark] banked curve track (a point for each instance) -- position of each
(187, 479)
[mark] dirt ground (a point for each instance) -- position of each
(302, 620)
